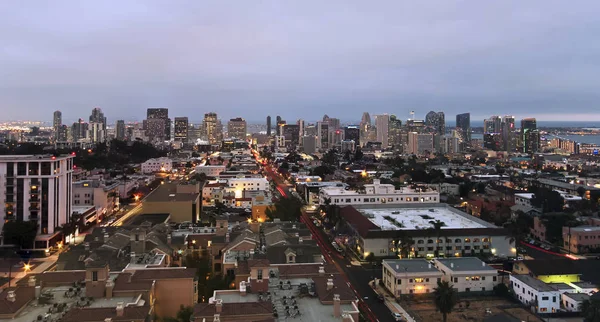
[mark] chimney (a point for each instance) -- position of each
(482, 264)
(217, 318)
(429, 266)
(109, 289)
(451, 265)
(11, 296)
(219, 306)
(294, 226)
(346, 317)
(31, 281)
(227, 237)
(120, 309)
(321, 270)
(329, 283)
(397, 267)
(336, 306)
(38, 291)
(169, 239)
(243, 288)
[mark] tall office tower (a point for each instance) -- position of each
(213, 130)
(530, 135)
(37, 188)
(395, 133)
(79, 131)
(335, 138)
(97, 126)
(352, 132)
(269, 125)
(56, 123)
(436, 122)
(492, 141)
(158, 124)
(236, 128)
(309, 144)
(420, 143)
(463, 127)
(120, 132)
(180, 132)
(279, 129)
(278, 119)
(508, 133)
(291, 132)
(492, 125)
(310, 129)
(365, 128)
(449, 144)
(322, 135)
(63, 133)
(334, 124)
(382, 123)
(300, 124)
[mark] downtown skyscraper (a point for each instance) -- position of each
(237, 128)
(530, 135)
(97, 126)
(212, 128)
(180, 132)
(463, 128)
(158, 124)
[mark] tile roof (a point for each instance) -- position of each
(99, 314)
(124, 282)
(305, 253)
(244, 309)
(164, 273)
(23, 295)
(339, 287)
(258, 263)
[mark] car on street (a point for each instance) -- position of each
(397, 316)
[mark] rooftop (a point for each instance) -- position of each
(534, 283)
(40, 157)
(465, 264)
(168, 193)
(585, 229)
(411, 218)
(410, 265)
(579, 297)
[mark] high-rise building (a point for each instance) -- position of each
(382, 123)
(279, 129)
(449, 144)
(352, 132)
(37, 188)
(436, 122)
(365, 128)
(309, 144)
(63, 133)
(97, 126)
(420, 143)
(213, 130)
(348, 145)
(334, 123)
(463, 127)
(269, 125)
(158, 124)
(300, 124)
(492, 125)
(236, 128)
(394, 133)
(56, 123)
(79, 131)
(180, 132)
(492, 141)
(508, 133)
(291, 132)
(278, 119)
(322, 135)
(120, 130)
(530, 135)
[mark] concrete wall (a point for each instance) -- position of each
(172, 293)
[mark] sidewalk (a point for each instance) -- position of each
(41, 267)
(390, 301)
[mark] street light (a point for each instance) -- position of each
(27, 268)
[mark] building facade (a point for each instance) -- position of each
(181, 129)
(377, 193)
(236, 128)
(157, 165)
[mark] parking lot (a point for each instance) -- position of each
(478, 309)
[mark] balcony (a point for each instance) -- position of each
(34, 207)
(36, 199)
(10, 217)
(10, 183)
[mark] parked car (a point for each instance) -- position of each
(397, 316)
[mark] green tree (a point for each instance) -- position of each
(358, 154)
(590, 310)
(20, 233)
(437, 228)
(403, 245)
(185, 313)
(445, 298)
(286, 209)
(518, 230)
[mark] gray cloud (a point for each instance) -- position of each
(299, 58)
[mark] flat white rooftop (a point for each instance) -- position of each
(402, 218)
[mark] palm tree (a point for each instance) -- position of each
(445, 298)
(437, 227)
(403, 245)
(518, 230)
(591, 310)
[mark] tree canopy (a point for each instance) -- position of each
(20, 233)
(445, 298)
(286, 209)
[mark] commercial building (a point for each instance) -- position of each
(158, 124)
(239, 185)
(210, 170)
(436, 122)
(181, 129)
(157, 165)
(468, 274)
(382, 123)
(378, 228)
(377, 193)
(56, 124)
(120, 130)
(532, 292)
(352, 132)
(420, 143)
(212, 128)
(463, 127)
(182, 201)
(269, 126)
(530, 136)
(581, 239)
(37, 188)
(236, 128)
(508, 133)
(309, 144)
(103, 195)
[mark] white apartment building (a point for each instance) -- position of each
(573, 302)
(102, 195)
(239, 185)
(37, 188)
(157, 165)
(533, 292)
(468, 274)
(410, 276)
(377, 193)
(211, 170)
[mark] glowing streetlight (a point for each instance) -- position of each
(26, 267)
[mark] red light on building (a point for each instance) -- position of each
(73, 153)
(337, 132)
(53, 158)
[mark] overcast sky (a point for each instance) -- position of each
(300, 59)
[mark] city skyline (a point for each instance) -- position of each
(298, 60)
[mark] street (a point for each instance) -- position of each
(540, 253)
(357, 276)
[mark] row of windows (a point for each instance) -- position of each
(86, 195)
(457, 240)
(476, 247)
(384, 200)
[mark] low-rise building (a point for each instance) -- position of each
(180, 200)
(573, 302)
(410, 276)
(542, 297)
(210, 170)
(157, 165)
(581, 239)
(104, 195)
(468, 274)
(378, 193)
